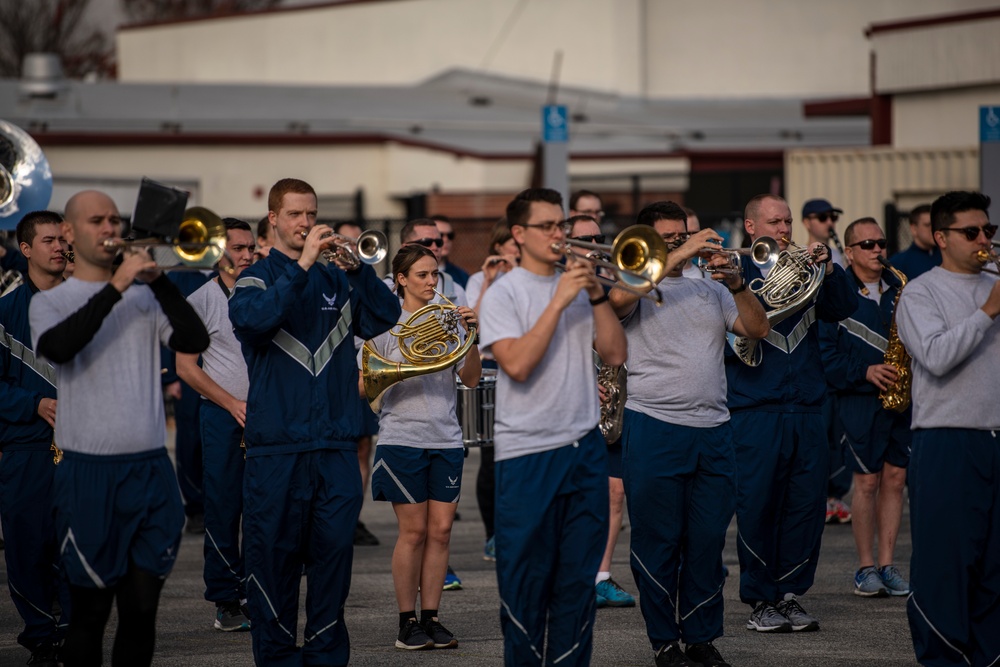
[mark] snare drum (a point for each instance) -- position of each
(476, 410)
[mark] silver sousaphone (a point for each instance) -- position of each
(25, 185)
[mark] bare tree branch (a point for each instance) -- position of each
(53, 26)
(165, 10)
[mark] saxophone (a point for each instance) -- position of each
(896, 397)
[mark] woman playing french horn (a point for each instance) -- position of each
(419, 457)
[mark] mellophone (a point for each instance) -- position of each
(477, 409)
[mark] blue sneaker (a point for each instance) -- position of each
(868, 583)
(613, 594)
(490, 550)
(451, 581)
(893, 580)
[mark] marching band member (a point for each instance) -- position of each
(27, 415)
(679, 458)
(302, 488)
(424, 232)
(419, 459)
(947, 321)
(222, 384)
(609, 592)
(551, 459)
(457, 273)
(504, 255)
(781, 443)
(103, 333)
(923, 254)
(877, 440)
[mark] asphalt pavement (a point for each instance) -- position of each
(855, 631)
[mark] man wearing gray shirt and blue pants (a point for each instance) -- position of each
(946, 318)
(551, 460)
(118, 509)
(223, 384)
(679, 460)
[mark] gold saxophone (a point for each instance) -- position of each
(897, 396)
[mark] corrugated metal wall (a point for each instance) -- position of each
(863, 180)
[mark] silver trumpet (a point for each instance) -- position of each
(763, 253)
(369, 248)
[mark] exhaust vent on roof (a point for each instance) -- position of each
(42, 75)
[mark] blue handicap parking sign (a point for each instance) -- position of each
(555, 123)
(989, 124)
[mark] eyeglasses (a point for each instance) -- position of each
(869, 244)
(823, 217)
(549, 227)
(448, 235)
(972, 233)
(590, 238)
(593, 213)
(427, 243)
(675, 236)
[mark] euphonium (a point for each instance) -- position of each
(428, 340)
(792, 282)
(614, 379)
(896, 397)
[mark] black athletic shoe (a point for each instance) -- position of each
(671, 655)
(364, 537)
(413, 638)
(231, 617)
(46, 655)
(439, 634)
(706, 655)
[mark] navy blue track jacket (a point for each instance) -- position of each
(790, 376)
(24, 378)
(297, 329)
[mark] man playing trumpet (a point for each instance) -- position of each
(551, 470)
(302, 486)
(678, 453)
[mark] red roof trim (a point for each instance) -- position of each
(759, 160)
(230, 15)
(850, 106)
(962, 17)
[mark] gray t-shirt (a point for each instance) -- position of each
(110, 399)
(675, 353)
(223, 360)
(955, 348)
(558, 403)
(420, 411)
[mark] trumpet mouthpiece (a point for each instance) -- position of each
(983, 256)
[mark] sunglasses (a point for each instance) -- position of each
(591, 238)
(823, 217)
(448, 235)
(972, 233)
(427, 243)
(869, 244)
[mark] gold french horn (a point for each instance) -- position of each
(429, 341)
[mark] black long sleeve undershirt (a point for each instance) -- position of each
(65, 340)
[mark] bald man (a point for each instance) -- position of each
(102, 331)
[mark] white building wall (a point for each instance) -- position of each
(397, 42)
(681, 48)
(940, 118)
